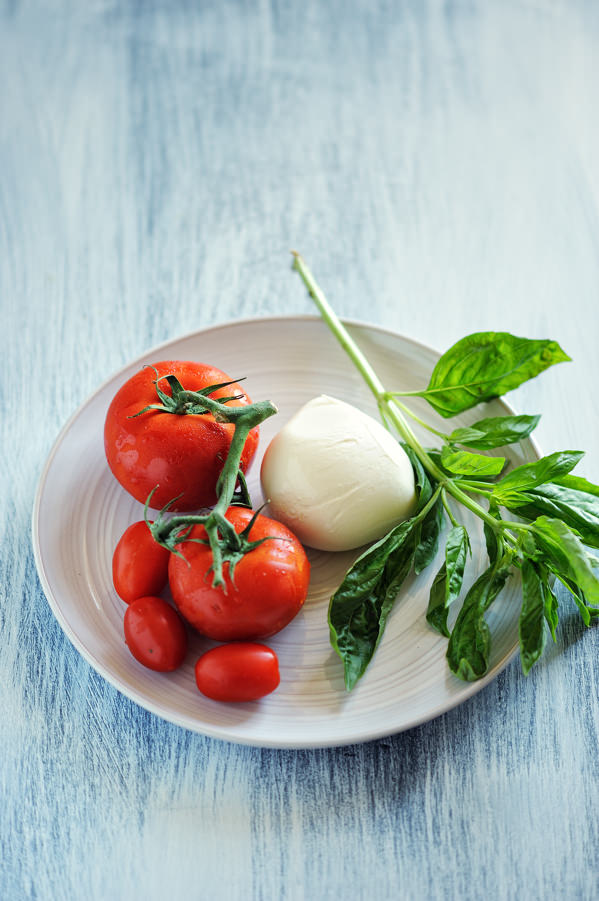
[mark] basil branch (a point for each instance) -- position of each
(558, 514)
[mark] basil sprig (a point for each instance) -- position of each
(557, 513)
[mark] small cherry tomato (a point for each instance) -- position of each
(139, 564)
(240, 671)
(181, 453)
(155, 634)
(269, 587)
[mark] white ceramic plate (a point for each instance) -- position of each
(80, 512)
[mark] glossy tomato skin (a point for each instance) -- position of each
(241, 671)
(271, 582)
(181, 454)
(155, 634)
(139, 564)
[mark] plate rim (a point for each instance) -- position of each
(470, 689)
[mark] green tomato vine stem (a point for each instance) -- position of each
(225, 543)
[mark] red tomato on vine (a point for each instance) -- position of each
(155, 434)
(269, 586)
(139, 564)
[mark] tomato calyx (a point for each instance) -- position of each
(226, 544)
(182, 402)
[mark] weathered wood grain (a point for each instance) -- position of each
(437, 164)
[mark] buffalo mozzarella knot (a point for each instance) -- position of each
(336, 477)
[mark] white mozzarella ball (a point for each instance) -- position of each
(336, 477)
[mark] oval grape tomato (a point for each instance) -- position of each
(155, 634)
(242, 671)
(139, 564)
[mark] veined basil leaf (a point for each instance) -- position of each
(577, 483)
(578, 509)
(435, 456)
(486, 365)
(496, 431)
(531, 627)
(448, 581)
(429, 537)
(436, 613)
(470, 643)
(510, 490)
(566, 556)
(465, 463)
(359, 608)
(456, 551)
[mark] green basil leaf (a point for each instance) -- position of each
(435, 456)
(496, 431)
(531, 628)
(587, 612)
(486, 365)
(436, 613)
(429, 537)
(510, 490)
(470, 642)
(578, 509)
(359, 608)
(579, 600)
(577, 483)
(456, 551)
(490, 534)
(567, 557)
(465, 463)
(551, 607)
(447, 584)
(424, 487)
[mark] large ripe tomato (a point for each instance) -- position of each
(270, 582)
(155, 634)
(139, 564)
(181, 453)
(242, 671)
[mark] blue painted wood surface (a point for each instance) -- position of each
(437, 164)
